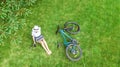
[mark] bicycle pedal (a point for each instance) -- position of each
(58, 45)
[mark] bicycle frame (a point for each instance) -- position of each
(64, 35)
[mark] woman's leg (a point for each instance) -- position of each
(44, 46)
(45, 43)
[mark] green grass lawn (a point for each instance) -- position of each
(99, 37)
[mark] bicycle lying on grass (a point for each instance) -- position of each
(73, 50)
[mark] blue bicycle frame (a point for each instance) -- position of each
(64, 35)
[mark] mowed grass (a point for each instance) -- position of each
(99, 36)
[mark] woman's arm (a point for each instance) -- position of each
(34, 40)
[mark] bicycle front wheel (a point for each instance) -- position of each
(72, 27)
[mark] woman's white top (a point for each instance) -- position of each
(36, 34)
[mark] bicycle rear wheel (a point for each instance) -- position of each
(73, 52)
(72, 27)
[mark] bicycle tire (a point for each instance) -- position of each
(71, 28)
(68, 55)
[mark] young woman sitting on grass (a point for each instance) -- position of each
(37, 37)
